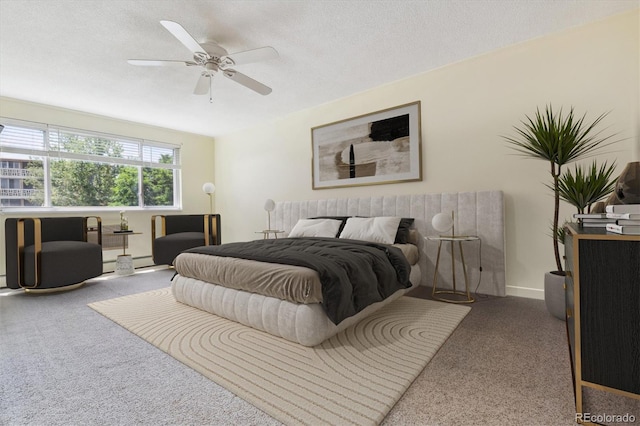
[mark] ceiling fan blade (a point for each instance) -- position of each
(248, 82)
(183, 36)
(248, 56)
(159, 63)
(202, 86)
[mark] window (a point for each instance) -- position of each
(44, 166)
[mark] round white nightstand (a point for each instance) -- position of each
(453, 293)
(267, 232)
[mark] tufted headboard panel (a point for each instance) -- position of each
(476, 213)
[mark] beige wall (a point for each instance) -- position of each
(466, 107)
(197, 159)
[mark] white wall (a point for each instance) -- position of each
(197, 154)
(466, 107)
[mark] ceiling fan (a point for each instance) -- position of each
(213, 58)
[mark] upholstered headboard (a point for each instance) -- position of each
(476, 213)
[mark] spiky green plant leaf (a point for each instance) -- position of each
(558, 139)
(586, 185)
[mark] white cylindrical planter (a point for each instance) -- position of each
(124, 265)
(554, 295)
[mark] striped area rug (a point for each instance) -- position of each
(354, 377)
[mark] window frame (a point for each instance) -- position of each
(50, 153)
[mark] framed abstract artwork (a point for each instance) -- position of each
(377, 148)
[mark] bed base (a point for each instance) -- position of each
(306, 324)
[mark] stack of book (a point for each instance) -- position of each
(626, 217)
(593, 220)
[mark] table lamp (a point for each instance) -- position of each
(442, 222)
(269, 206)
(209, 189)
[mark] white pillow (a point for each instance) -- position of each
(316, 228)
(373, 229)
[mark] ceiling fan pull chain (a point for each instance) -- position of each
(210, 97)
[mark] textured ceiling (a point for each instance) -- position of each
(73, 53)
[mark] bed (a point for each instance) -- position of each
(299, 313)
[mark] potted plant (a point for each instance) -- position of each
(584, 189)
(558, 139)
(585, 186)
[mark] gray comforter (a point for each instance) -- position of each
(354, 274)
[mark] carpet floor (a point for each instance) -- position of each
(62, 363)
(355, 377)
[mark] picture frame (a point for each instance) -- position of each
(381, 147)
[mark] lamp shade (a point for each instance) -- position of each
(209, 188)
(269, 205)
(442, 222)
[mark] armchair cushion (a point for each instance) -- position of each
(182, 232)
(165, 249)
(63, 262)
(59, 228)
(184, 223)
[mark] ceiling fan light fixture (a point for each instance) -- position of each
(213, 58)
(211, 66)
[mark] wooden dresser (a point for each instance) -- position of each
(603, 321)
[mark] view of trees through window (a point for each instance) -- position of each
(84, 170)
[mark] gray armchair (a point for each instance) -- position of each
(51, 253)
(182, 232)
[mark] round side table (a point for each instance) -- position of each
(453, 295)
(124, 261)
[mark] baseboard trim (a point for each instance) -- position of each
(529, 293)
